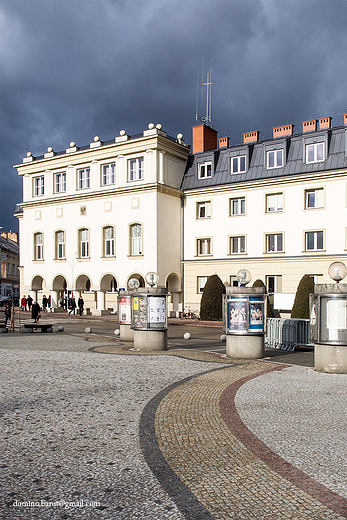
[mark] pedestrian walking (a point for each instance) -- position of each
(49, 303)
(72, 305)
(35, 312)
(29, 302)
(7, 314)
(23, 304)
(80, 305)
(44, 303)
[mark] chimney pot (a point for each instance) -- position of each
(309, 126)
(251, 137)
(281, 131)
(345, 119)
(223, 142)
(204, 138)
(324, 122)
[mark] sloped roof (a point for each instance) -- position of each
(8, 245)
(294, 154)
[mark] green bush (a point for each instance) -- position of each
(269, 309)
(211, 300)
(301, 307)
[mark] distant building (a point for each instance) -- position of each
(93, 217)
(96, 216)
(9, 251)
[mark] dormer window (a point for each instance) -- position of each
(315, 152)
(205, 170)
(274, 159)
(238, 164)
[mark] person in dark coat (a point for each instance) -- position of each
(35, 311)
(80, 305)
(29, 302)
(7, 314)
(72, 305)
(44, 303)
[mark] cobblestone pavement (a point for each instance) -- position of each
(164, 437)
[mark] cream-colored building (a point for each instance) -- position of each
(94, 217)
(277, 208)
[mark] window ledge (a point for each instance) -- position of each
(136, 256)
(38, 261)
(108, 257)
(314, 209)
(237, 254)
(84, 259)
(274, 253)
(313, 251)
(59, 260)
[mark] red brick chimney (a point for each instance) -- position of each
(223, 142)
(324, 122)
(251, 137)
(281, 131)
(204, 138)
(308, 126)
(345, 119)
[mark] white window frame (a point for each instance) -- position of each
(314, 198)
(203, 209)
(274, 202)
(238, 204)
(38, 244)
(315, 152)
(200, 283)
(83, 178)
(108, 174)
(236, 165)
(136, 169)
(39, 186)
(109, 241)
(60, 245)
(60, 182)
(237, 245)
(136, 239)
(277, 283)
(278, 159)
(84, 239)
(205, 170)
(204, 246)
(274, 242)
(317, 236)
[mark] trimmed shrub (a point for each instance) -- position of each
(269, 309)
(301, 307)
(211, 300)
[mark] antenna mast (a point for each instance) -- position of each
(207, 119)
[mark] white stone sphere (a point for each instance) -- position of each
(117, 332)
(151, 126)
(72, 144)
(29, 154)
(60, 328)
(49, 149)
(96, 138)
(179, 136)
(186, 335)
(122, 132)
(223, 337)
(159, 126)
(87, 330)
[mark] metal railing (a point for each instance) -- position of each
(287, 333)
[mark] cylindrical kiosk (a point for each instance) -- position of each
(124, 316)
(244, 321)
(149, 318)
(328, 319)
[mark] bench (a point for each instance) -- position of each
(44, 327)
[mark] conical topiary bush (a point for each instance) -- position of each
(211, 300)
(301, 307)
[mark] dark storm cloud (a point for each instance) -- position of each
(72, 69)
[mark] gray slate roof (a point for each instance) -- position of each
(294, 147)
(8, 245)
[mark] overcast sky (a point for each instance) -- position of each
(73, 69)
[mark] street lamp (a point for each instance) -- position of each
(337, 271)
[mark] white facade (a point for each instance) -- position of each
(95, 218)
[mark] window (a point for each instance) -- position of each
(274, 283)
(136, 239)
(234, 281)
(109, 241)
(314, 198)
(314, 240)
(135, 169)
(108, 174)
(60, 245)
(84, 243)
(205, 170)
(60, 182)
(38, 242)
(275, 159)
(274, 202)
(204, 209)
(238, 164)
(237, 245)
(203, 246)
(13, 269)
(274, 243)
(315, 152)
(201, 283)
(84, 178)
(238, 206)
(39, 186)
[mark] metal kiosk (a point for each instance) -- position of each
(149, 318)
(245, 322)
(126, 333)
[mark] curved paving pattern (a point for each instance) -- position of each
(206, 452)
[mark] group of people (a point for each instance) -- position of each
(71, 305)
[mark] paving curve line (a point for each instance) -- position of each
(204, 466)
